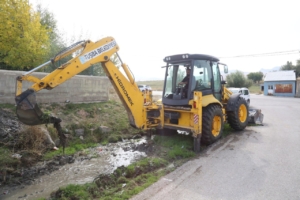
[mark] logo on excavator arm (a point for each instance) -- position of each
(124, 90)
(97, 52)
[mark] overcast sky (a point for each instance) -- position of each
(147, 31)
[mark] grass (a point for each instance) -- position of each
(179, 146)
(10, 107)
(255, 89)
(227, 130)
(71, 150)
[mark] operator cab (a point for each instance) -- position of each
(204, 75)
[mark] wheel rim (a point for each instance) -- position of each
(216, 126)
(242, 113)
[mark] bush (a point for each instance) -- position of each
(238, 79)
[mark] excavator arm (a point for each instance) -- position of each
(136, 102)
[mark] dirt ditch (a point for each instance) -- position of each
(46, 177)
(26, 173)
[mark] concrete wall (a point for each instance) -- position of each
(78, 89)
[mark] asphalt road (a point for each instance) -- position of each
(261, 162)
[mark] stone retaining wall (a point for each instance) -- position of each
(78, 89)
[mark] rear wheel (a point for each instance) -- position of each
(238, 118)
(212, 124)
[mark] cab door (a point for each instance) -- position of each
(217, 88)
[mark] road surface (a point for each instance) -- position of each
(261, 162)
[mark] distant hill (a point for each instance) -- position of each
(274, 69)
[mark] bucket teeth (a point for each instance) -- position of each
(28, 111)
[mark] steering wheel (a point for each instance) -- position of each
(200, 82)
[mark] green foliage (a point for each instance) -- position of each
(56, 42)
(290, 66)
(23, 39)
(287, 66)
(180, 146)
(8, 106)
(255, 76)
(227, 130)
(6, 160)
(238, 79)
(76, 192)
(69, 150)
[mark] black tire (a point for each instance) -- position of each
(212, 124)
(238, 119)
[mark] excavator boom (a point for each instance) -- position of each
(90, 53)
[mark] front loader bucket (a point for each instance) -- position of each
(255, 116)
(28, 111)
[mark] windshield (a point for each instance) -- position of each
(177, 74)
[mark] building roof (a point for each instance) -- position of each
(288, 75)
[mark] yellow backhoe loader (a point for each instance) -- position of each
(201, 106)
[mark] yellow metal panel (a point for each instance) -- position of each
(209, 99)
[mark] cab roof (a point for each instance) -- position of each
(182, 57)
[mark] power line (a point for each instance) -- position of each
(279, 53)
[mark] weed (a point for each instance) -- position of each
(6, 159)
(74, 192)
(180, 152)
(113, 139)
(226, 130)
(72, 149)
(179, 146)
(10, 107)
(122, 179)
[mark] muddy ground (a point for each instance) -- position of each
(25, 168)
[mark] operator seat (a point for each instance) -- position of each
(193, 83)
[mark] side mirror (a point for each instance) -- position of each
(225, 69)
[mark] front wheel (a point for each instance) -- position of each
(212, 124)
(238, 118)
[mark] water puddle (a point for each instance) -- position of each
(101, 159)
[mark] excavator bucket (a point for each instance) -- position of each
(28, 111)
(255, 116)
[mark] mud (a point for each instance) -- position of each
(46, 177)
(9, 126)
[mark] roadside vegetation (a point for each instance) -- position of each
(255, 89)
